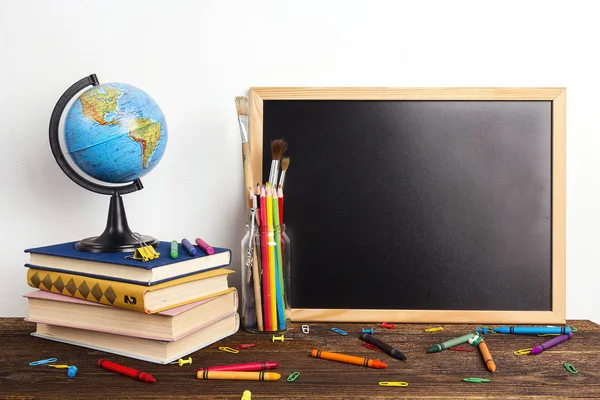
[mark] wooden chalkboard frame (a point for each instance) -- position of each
(557, 96)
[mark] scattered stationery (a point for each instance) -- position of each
(365, 362)
(386, 348)
(123, 370)
(450, 343)
(551, 343)
(534, 330)
(238, 375)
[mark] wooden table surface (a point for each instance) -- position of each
(429, 376)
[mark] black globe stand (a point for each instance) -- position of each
(117, 235)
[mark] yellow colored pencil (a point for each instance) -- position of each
(271, 242)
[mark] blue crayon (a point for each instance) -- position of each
(534, 330)
(189, 247)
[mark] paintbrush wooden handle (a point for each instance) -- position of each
(247, 163)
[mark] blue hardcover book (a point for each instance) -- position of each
(65, 257)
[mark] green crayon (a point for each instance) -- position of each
(174, 249)
(449, 343)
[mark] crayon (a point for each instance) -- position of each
(238, 375)
(450, 343)
(365, 362)
(205, 246)
(386, 348)
(534, 330)
(123, 370)
(251, 366)
(188, 247)
(174, 249)
(551, 343)
(487, 357)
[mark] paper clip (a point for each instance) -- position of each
(434, 329)
(293, 376)
(573, 329)
(144, 252)
(522, 352)
(476, 380)
(370, 346)
(40, 362)
(569, 367)
(244, 346)
(393, 383)
(339, 331)
(305, 329)
(461, 349)
(229, 350)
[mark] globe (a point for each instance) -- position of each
(115, 132)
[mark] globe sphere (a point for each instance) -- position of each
(115, 132)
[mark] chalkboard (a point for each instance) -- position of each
(418, 205)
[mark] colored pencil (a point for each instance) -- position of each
(279, 264)
(271, 250)
(266, 285)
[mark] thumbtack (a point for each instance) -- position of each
(475, 340)
(244, 346)
(386, 325)
(485, 330)
(229, 350)
(437, 329)
(247, 395)
(182, 362)
(278, 338)
(305, 329)
(369, 330)
(339, 331)
(40, 362)
(71, 371)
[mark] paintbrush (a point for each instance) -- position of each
(241, 104)
(278, 149)
(285, 163)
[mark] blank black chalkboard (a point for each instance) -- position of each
(417, 205)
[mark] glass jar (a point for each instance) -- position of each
(265, 292)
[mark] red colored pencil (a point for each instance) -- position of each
(265, 262)
(280, 194)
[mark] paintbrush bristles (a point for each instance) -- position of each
(278, 148)
(241, 104)
(285, 163)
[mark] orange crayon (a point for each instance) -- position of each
(365, 362)
(487, 357)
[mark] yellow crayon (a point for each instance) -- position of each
(238, 375)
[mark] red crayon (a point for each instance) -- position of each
(205, 246)
(252, 366)
(123, 370)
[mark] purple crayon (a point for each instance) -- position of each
(188, 246)
(551, 343)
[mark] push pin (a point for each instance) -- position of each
(71, 371)
(305, 329)
(247, 395)
(369, 330)
(485, 330)
(278, 338)
(387, 326)
(182, 362)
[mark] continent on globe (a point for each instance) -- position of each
(98, 102)
(147, 133)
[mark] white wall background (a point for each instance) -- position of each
(193, 57)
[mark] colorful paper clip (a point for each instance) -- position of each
(393, 383)
(244, 346)
(569, 367)
(40, 362)
(339, 331)
(293, 376)
(522, 352)
(371, 347)
(476, 380)
(229, 350)
(305, 329)
(144, 252)
(437, 329)
(461, 349)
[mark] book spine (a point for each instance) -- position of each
(118, 294)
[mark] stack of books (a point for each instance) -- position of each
(159, 310)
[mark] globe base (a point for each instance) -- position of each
(117, 236)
